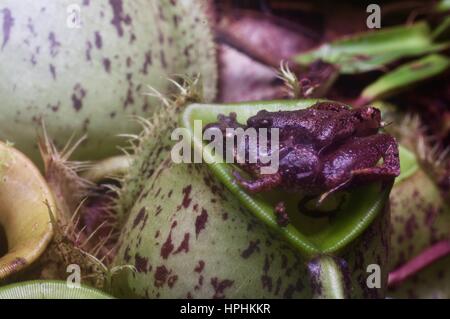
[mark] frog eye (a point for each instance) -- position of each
(266, 122)
(257, 121)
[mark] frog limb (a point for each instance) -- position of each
(391, 163)
(261, 184)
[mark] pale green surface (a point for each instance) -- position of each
(30, 92)
(43, 289)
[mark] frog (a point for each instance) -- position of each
(321, 124)
(323, 149)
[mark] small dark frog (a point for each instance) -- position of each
(322, 149)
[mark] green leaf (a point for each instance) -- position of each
(49, 289)
(442, 6)
(404, 76)
(442, 30)
(311, 236)
(408, 164)
(372, 50)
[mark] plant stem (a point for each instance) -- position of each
(424, 259)
(329, 278)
